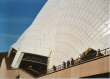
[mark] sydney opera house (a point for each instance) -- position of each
(68, 39)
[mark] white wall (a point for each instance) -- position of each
(67, 28)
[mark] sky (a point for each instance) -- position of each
(15, 17)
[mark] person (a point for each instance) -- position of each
(80, 57)
(99, 53)
(64, 65)
(54, 68)
(83, 57)
(68, 63)
(18, 77)
(72, 61)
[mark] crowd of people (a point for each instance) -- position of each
(71, 62)
(67, 64)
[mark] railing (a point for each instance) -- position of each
(34, 61)
(104, 52)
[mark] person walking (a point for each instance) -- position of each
(68, 63)
(72, 61)
(54, 68)
(64, 65)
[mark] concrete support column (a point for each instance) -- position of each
(17, 59)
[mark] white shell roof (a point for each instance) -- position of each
(66, 28)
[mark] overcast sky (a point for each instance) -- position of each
(15, 17)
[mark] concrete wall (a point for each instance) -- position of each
(4, 73)
(14, 74)
(91, 68)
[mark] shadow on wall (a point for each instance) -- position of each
(103, 76)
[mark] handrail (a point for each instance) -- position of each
(34, 70)
(105, 52)
(34, 61)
